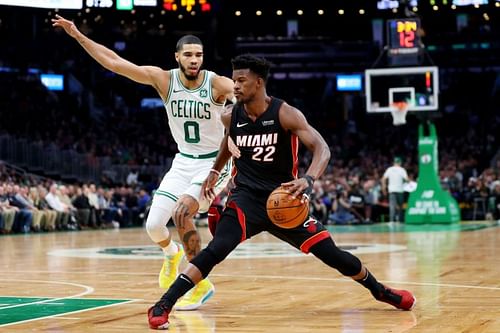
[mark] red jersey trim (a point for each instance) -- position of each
(306, 246)
(241, 219)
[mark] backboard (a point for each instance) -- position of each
(418, 86)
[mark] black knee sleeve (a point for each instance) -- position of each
(227, 237)
(205, 261)
(330, 254)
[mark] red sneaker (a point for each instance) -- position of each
(158, 317)
(401, 299)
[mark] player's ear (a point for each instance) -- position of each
(260, 82)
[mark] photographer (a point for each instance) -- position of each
(318, 208)
(341, 208)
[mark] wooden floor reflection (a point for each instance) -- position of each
(265, 286)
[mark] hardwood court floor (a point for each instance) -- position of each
(104, 281)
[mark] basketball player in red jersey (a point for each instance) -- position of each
(267, 131)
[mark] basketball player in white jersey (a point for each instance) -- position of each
(194, 100)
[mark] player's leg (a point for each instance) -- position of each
(312, 237)
(183, 216)
(184, 212)
(192, 202)
(187, 206)
(228, 235)
(156, 226)
(162, 208)
(350, 265)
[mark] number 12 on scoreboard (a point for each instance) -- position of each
(407, 31)
(402, 34)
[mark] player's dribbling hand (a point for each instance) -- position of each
(67, 25)
(297, 188)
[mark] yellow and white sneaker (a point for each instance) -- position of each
(196, 297)
(170, 269)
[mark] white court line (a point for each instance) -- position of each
(69, 318)
(281, 277)
(65, 313)
(88, 290)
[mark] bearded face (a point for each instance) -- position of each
(189, 73)
(190, 59)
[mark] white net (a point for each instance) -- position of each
(399, 111)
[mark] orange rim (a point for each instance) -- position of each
(401, 106)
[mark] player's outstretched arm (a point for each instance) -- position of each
(108, 58)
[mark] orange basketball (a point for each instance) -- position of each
(284, 210)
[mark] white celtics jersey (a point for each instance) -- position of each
(194, 116)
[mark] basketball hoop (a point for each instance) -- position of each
(399, 111)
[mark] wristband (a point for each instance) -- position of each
(215, 171)
(310, 182)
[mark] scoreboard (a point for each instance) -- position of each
(404, 46)
(403, 36)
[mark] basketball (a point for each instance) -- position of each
(284, 210)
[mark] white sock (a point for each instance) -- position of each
(171, 249)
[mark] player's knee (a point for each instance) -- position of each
(185, 208)
(341, 260)
(156, 224)
(205, 261)
(222, 246)
(216, 251)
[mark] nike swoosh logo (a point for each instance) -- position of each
(241, 125)
(185, 279)
(177, 91)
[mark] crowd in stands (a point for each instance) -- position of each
(361, 196)
(29, 203)
(348, 193)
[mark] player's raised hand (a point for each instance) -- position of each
(67, 25)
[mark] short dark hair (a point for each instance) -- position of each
(187, 39)
(258, 65)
